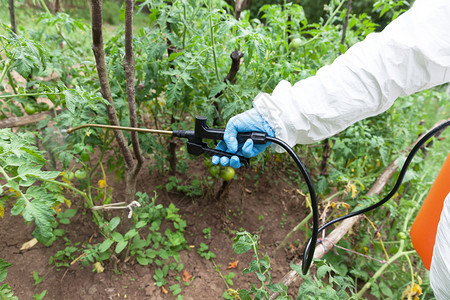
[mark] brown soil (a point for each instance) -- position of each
(267, 206)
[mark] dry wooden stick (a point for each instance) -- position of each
(338, 233)
(26, 120)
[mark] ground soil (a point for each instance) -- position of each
(269, 206)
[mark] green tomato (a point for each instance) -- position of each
(401, 235)
(84, 156)
(214, 171)
(29, 109)
(43, 106)
(69, 175)
(80, 174)
(295, 43)
(227, 173)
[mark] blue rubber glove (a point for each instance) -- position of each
(247, 121)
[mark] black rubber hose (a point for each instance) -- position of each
(307, 259)
(312, 244)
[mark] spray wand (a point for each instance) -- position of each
(196, 146)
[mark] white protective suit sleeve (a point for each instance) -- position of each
(440, 262)
(410, 54)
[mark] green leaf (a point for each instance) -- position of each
(296, 268)
(141, 224)
(113, 223)
(130, 234)
(117, 236)
(68, 213)
(121, 245)
(40, 296)
(176, 289)
(174, 55)
(276, 288)
(242, 245)
(36, 278)
(215, 90)
(3, 269)
(35, 206)
(261, 277)
(385, 289)
(105, 245)
(322, 271)
(143, 260)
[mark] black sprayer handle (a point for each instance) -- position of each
(196, 146)
(202, 131)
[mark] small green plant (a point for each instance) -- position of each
(37, 278)
(204, 251)
(260, 266)
(5, 289)
(316, 288)
(192, 190)
(207, 233)
(40, 296)
(63, 257)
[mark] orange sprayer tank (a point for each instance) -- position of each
(423, 230)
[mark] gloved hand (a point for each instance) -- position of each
(247, 121)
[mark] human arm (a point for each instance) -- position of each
(410, 54)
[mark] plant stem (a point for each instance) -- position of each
(28, 95)
(45, 7)
(399, 253)
(299, 225)
(5, 70)
(220, 273)
(81, 193)
(325, 25)
(211, 31)
(11, 82)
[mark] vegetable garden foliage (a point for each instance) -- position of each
(54, 61)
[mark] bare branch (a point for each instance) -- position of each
(347, 16)
(235, 63)
(238, 7)
(26, 120)
(129, 74)
(12, 15)
(105, 90)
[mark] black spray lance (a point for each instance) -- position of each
(196, 146)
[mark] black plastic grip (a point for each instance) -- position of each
(258, 137)
(202, 131)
